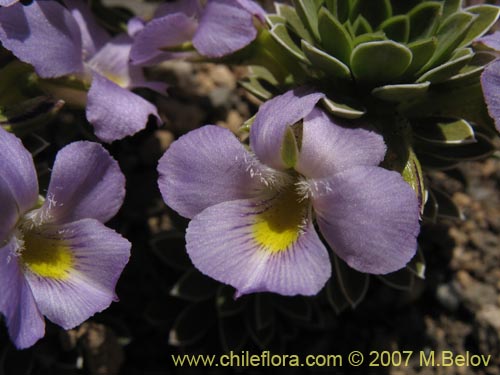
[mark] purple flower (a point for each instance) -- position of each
(7, 3)
(61, 41)
(253, 214)
(490, 78)
(219, 28)
(56, 256)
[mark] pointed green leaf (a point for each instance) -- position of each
(422, 51)
(323, 61)
(446, 208)
(289, 149)
(412, 174)
(192, 324)
(233, 334)
(445, 133)
(417, 264)
(372, 37)
(353, 284)
(261, 320)
(226, 304)
(450, 34)
(306, 10)
(432, 162)
(397, 28)
(374, 11)
(400, 280)
(170, 247)
(447, 70)
(334, 37)
(383, 61)
(280, 34)
(401, 93)
(256, 87)
(291, 17)
(297, 308)
(194, 286)
(470, 74)
(430, 208)
(274, 19)
(339, 8)
(343, 110)
(487, 16)
(335, 296)
(468, 151)
(450, 7)
(361, 26)
(424, 19)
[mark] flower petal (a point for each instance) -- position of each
(168, 31)
(43, 34)
(369, 217)
(116, 112)
(223, 243)
(253, 8)
(209, 166)
(18, 181)
(24, 321)
(6, 3)
(329, 148)
(492, 41)
(86, 182)
(190, 8)
(225, 27)
(93, 35)
(98, 256)
(272, 120)
(490, 82)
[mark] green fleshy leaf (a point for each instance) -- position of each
(432, 162)
(447, 70)
(280, 34)
(450, 7)
(400, 280)
(323, 61)
(430, 208)
(445, 133)
(412, 174)
(401, 93)
(397, 28)
(274, 19)
(226, 304)
(446, 208)
(353, 284)
(470, 151)
(450, 34)
(470, 74)
(361, 26)
(383, 61)
(194, 286)
(233, 335)
(334, 37)
(417, 264)
(261, 321)
(422, 51)
(297, 308)
(170, 248)
(343, 110)
(255, 87)
(487, 16)
(192, 324)
(334, 294)
(308, 13)
(291, 17)
(339, 8)
(374, 11)
(366, 38)
(289, 149)
(424, 19)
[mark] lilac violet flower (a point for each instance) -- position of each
(183, 28)
(253, 214)
(490, 78)
(67, 42)
(57, 259)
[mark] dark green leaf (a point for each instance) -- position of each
(323, 61)
(194, 286)
(397, 28)
(375, 11)
(289, 149)
(383, 61)
(334, 294)
(226, 303)
(470, 74)
(343, 110)
(280, 34)
(233, 333)
(487, 16)
(430, 208)
(192, 324)
(306, 10)
(255, 87)
(353, 284)
(274, 19)
(294, 307)
(293, 20)
(170, 247)
(422, 51)
(372, 37)
(446, 208)
(450, 7)
(401, 280)
(471, 151)
(424, 19)
(361, 26)
(401, 93)
(334, 37)
(430, 161)
(412, 174)
(447, 70)
(339, 8)
(445, 132)
(417, 264)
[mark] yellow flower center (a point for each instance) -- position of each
(46, 257)
(280, 225)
